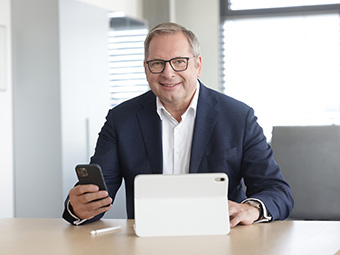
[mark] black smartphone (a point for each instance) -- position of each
(91, 174)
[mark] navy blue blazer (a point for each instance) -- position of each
(227, 139)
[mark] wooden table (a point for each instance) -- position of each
(55, 236)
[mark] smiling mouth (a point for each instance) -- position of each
(169, 85)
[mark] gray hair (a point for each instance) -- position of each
(172, 28)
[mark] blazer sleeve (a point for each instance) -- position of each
(262, 175)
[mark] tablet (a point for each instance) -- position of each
(181, 205)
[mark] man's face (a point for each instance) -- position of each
(174, 89)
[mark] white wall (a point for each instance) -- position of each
(6, 122)
(155, 11)
(131, 8)
(36, 97)
(60, 97)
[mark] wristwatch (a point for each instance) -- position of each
(257, 205)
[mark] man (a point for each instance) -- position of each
(180, 127)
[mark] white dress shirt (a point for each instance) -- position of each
(177, 137)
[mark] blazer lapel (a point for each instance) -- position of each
(151, 128)
(204, 124)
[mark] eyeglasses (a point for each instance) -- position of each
(179, 64)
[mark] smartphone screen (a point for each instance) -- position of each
(91, 174)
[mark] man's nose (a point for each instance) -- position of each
(168, 71)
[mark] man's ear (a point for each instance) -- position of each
(145, 69)
(198, 65)
(145, 66)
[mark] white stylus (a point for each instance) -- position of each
(104, 230)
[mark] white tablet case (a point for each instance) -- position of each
(181, 205)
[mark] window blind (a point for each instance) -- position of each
(286, 67)
(126, 56)
(259, 4)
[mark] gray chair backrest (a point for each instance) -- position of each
(309, 158)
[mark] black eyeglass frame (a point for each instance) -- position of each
(169, 61)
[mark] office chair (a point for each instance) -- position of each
(309, 157)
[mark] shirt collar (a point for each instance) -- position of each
(193, 104)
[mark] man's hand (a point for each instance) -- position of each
(82, 200)
(242, 214)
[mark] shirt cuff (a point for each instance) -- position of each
(266, 217)
(76, 221)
